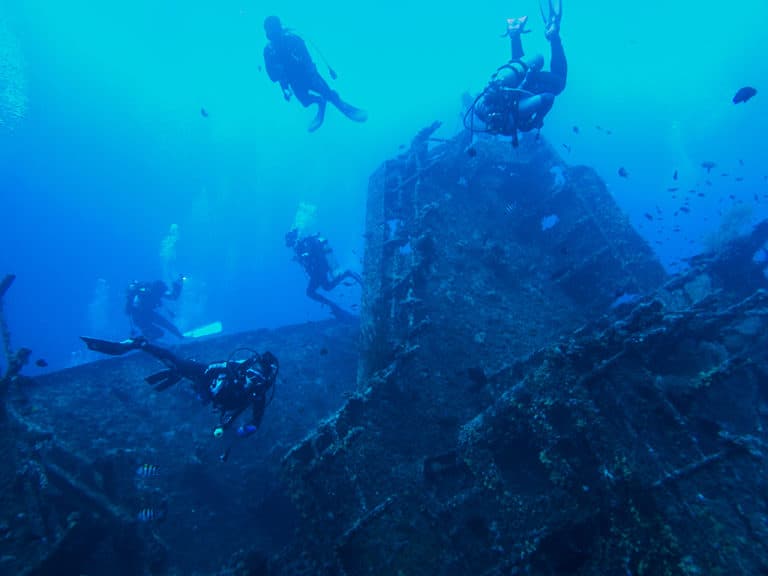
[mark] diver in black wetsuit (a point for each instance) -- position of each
(230, 386)
(141, 305)
(312, 253)
(288, 62)
(521, 93)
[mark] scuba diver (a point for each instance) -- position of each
(230, 386)
(288, 62)
(141, 304)
(312, 253)
(521, 93)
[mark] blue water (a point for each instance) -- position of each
(111, 148)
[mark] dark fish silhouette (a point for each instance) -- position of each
(575, 129)
(673, 189)
(648, 216)
(323, 351)
(567, 147)
(674, 176)
(744, 94)
(41, 363)
(623, 172)
(203, 112)
(708, 165)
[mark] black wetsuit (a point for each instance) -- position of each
(518, 98)
(288, 62)
(229, 386)
(311, 252)
(552, 81)
(143, 299)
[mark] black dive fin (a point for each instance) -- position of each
(354, 114)
(109, 347)
(157, 377)
(163, 380)
(319, 117)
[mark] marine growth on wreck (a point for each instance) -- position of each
(527, 392)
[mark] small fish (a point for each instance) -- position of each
(674, 176)
(648, 216)
(685, 209)
(741, 162)
(575, 129)
(739, 179)
(708, 165)
(673, 189)
(323, 351)
(744, 94)
(150, 514)
(203, 112)
(471, 151)
(41, 363)
(608, 132)
(623, 172)
(700, 194)
(509, 208)
(567, 147)
(148, 471)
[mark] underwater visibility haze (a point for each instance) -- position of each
(510, 323)
(104, 146)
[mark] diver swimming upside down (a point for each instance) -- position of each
(520, 93)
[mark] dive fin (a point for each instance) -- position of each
(157, 377)
(207, 330)
(163, 380)
(109, 347)
(354, 114)
(319, 117)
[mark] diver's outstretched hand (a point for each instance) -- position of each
(516, 26)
